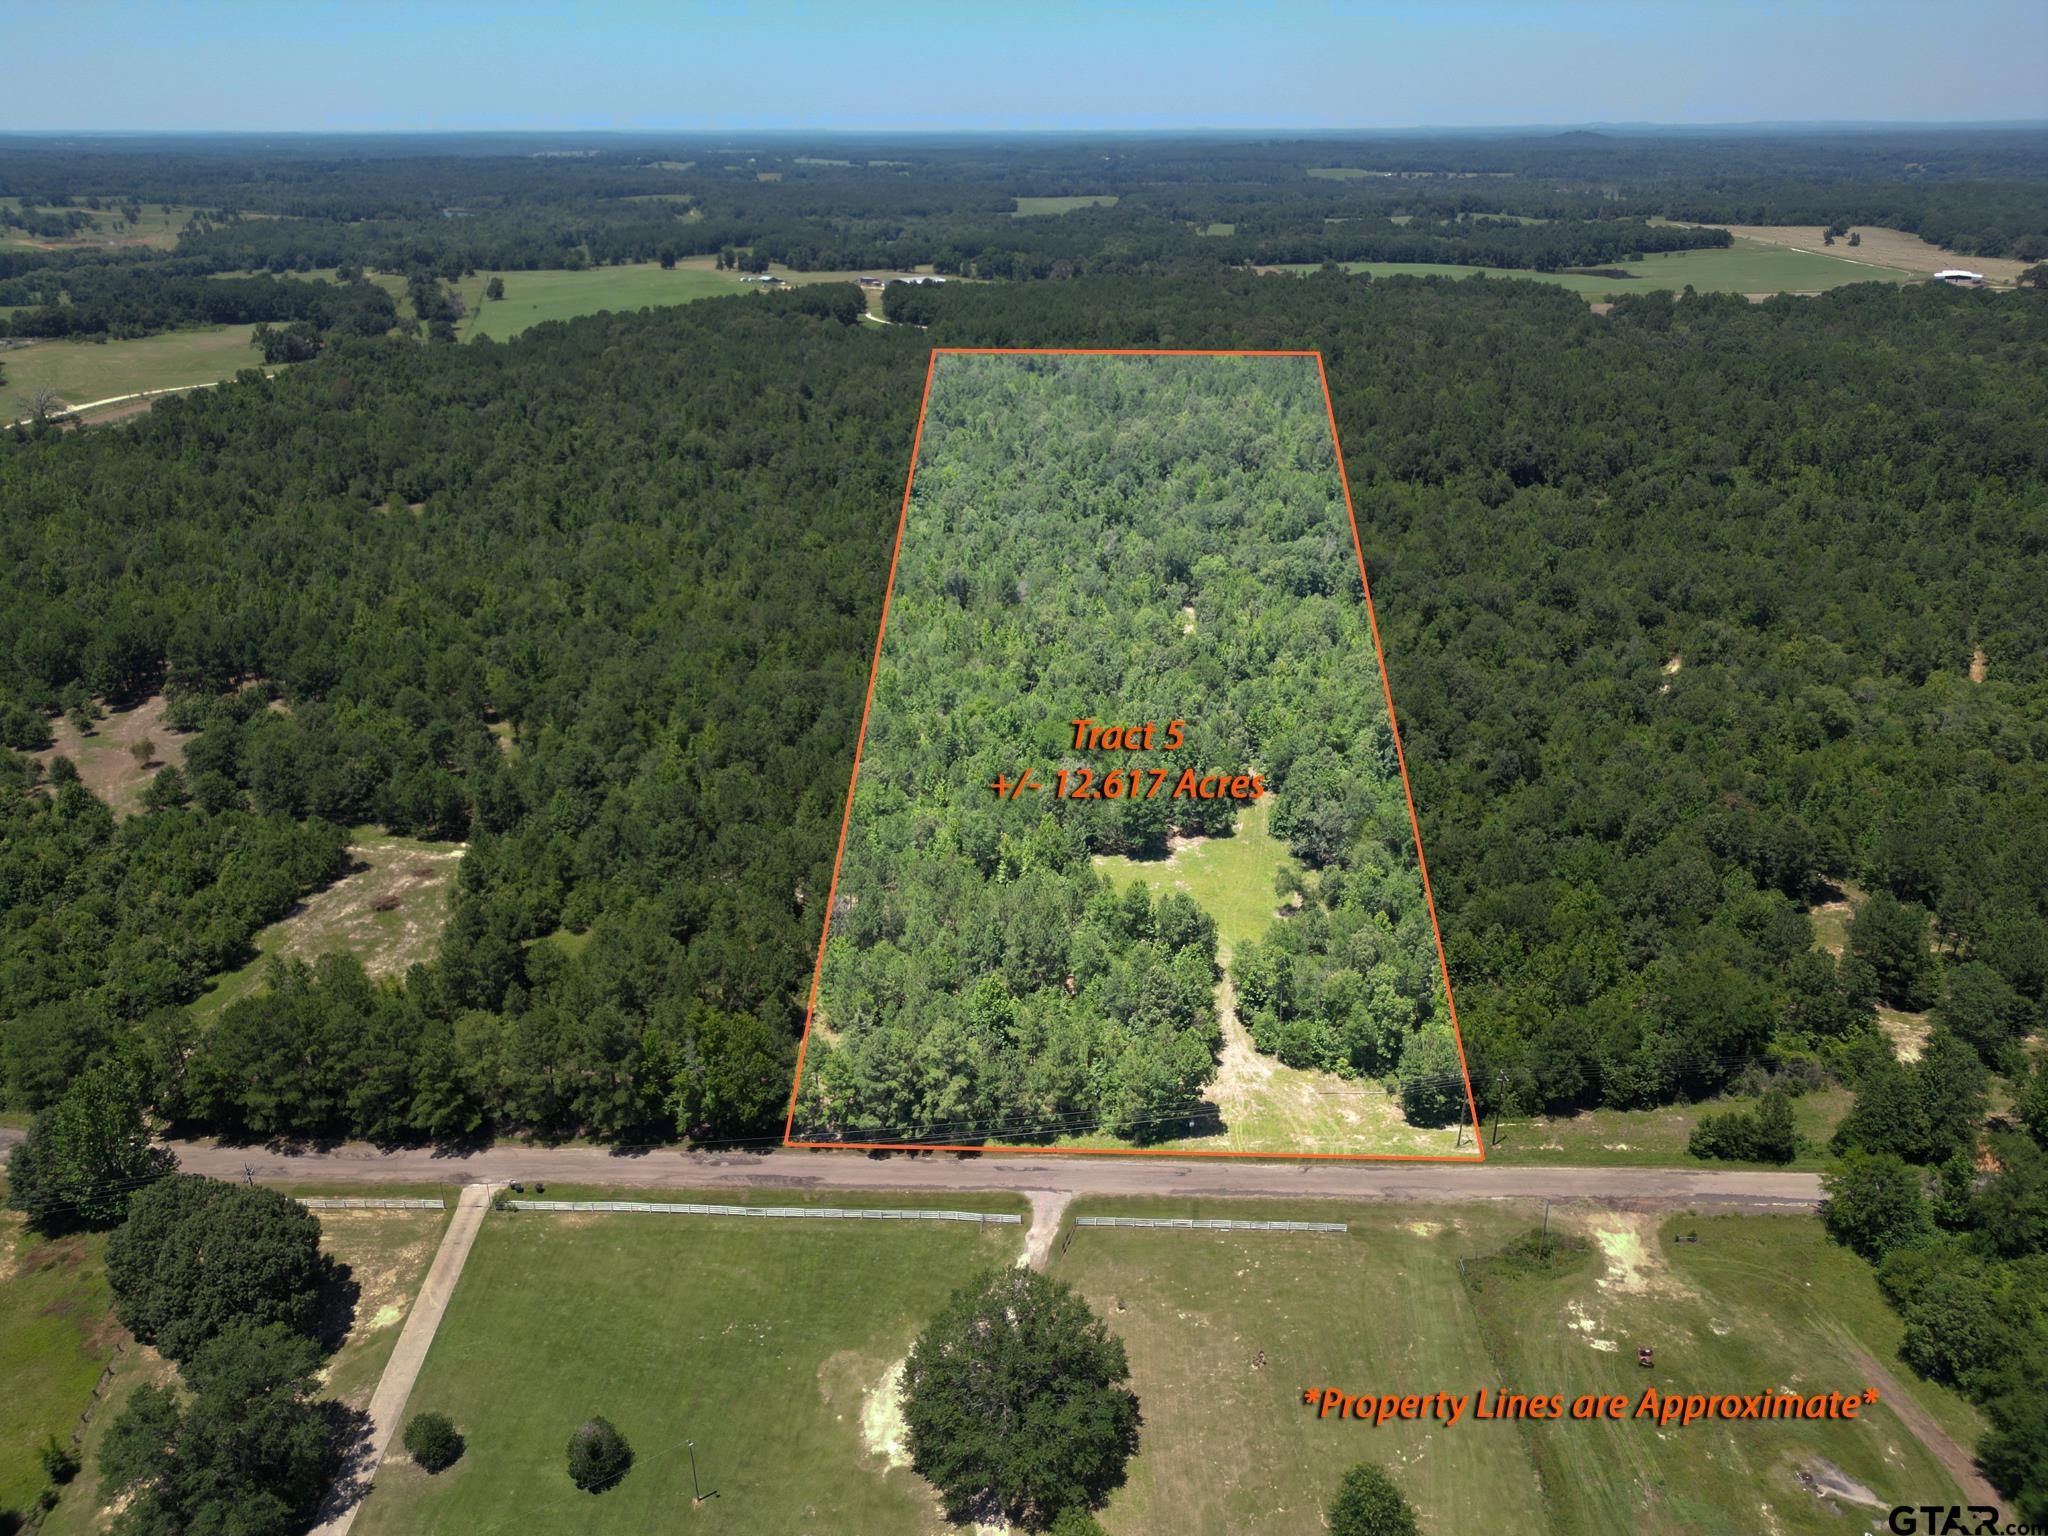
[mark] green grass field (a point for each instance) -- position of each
(1228, 1449)
(1033, 207)
(1748, 266)
(1657, 1137)
(532, 298)
(82, 370)
(388, 912)
(1759, 1302)
(766, 1343)
(56, 1336)
(1230, 878)
(386, 1254)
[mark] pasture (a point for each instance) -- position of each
(1758, 1302)
(388, 911)
(1649, 1138)
(384, 1255)
(770, 1344)
(1746, 267)
(82, 371)
(1034, 207)
(533, 298)
(56, 1336)
(1879, 246)
(156, 229)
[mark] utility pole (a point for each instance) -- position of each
(695, 1489)
(1498, 1078)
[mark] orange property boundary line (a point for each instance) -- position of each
(1379, 654)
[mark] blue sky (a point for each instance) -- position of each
(1019, 64)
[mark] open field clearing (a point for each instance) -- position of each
(80, 371)
(1230, 878)
(385, 1254)
(1264, 1104)
(1758, 1302)
(735, 280)
(1032, 207)
(157, 228)
(106, 759)
(1227, 1446)
(1656, 1137)
(1893, 248)
(664, 1325)
(388, 912)
(533, 298)
(56, 1336)
(1747, 267)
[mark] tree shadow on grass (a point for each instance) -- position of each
(340, 1291)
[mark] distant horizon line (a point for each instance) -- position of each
(1755, 125)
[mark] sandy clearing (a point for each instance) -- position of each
(105, 756)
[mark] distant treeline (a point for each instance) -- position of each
(118, 301)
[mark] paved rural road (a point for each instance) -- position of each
(1625, 1188)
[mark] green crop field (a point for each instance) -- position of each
(532, 298)
(1032, 207)
(80, 371)
(1748, 266)
(1759, 1302)
(669, 1326)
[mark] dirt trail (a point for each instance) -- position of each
(1047, 1206)
(1958, 1462)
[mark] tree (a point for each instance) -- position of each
(1874, 1204)
(142, 749)
(1891, 935)
(1432, 1081)
(1368, 1503)
(598, 1456)
(85, 1156)
(1762, 1135)
(167, 790)
(196, 1254)
(2035, 276)
(433, 1441)
(495, 288)
(1016, 1402)
(250, 1452)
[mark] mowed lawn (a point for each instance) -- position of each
(764, 1342)
(1748, 266)
(532, 298)
(82, 371)
(1227, 1448)
(1758, 1302)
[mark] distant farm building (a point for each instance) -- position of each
(1960, 277)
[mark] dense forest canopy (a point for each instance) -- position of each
(656, 545)
(1137, 540)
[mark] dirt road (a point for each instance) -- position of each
(1623, 1188)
